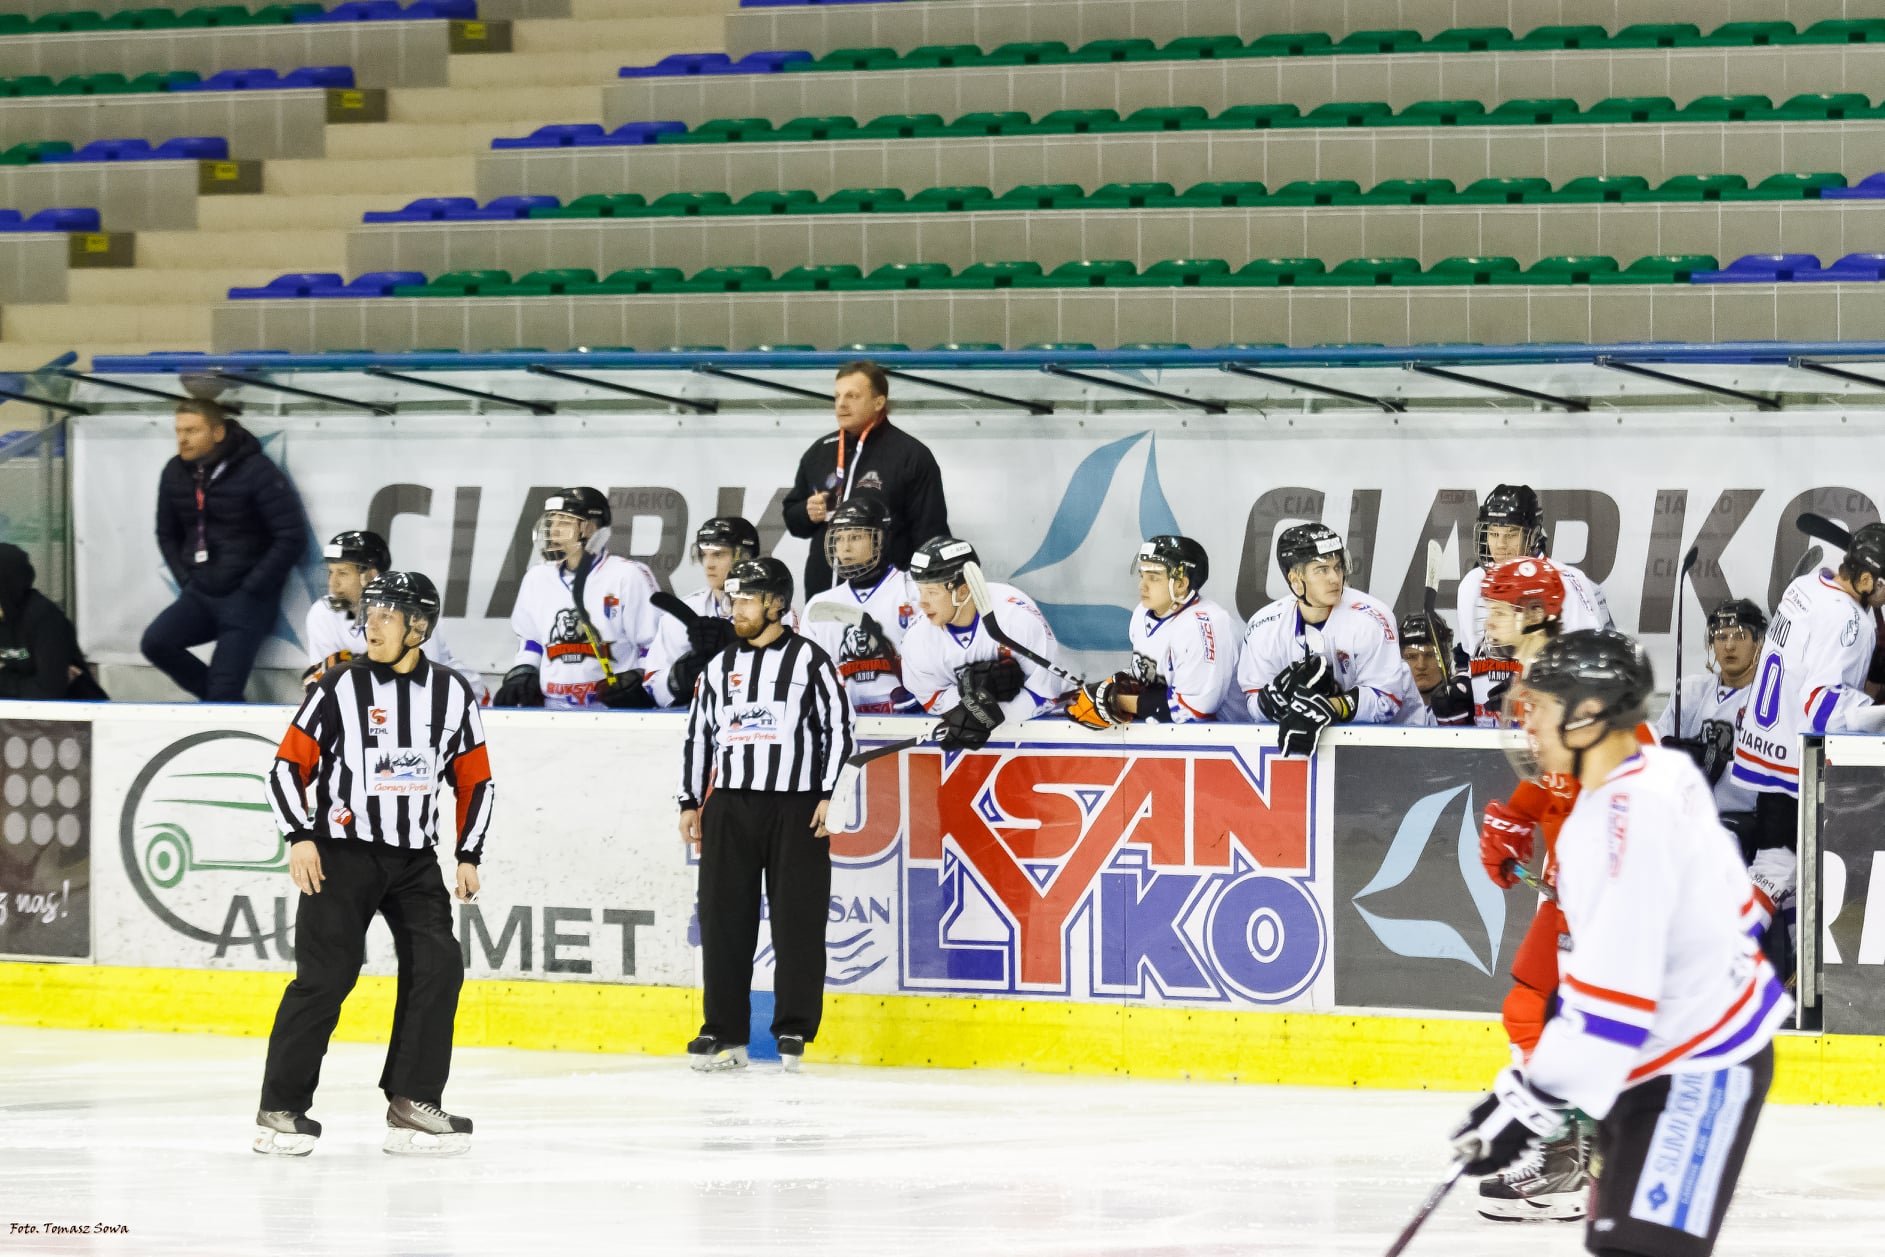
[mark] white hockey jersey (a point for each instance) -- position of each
(1705, 698)
(1195, 649)
(1584, 606)
(330, 632)
(550, 634)
(874, 686)
(1358, 640)
(931, 655)
(1662, 975)
(670, 643)
(1811, 679)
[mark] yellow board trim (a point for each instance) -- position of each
(1041, 1036)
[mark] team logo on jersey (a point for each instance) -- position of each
(342, 815)
(905, 614)
(610, 605)
(1849, 634)
(567, 636)
(871, 480)
(376, 716)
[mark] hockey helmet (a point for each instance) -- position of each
(729, 532)
(361, 548)
(1525, 583)
(1866, 553)
(1737, 614)
(1418, 631)
(591, 506)
(1178, 556)
(1600, 664)
(1514, 506)
(864, 512)
(411, 593)
(940, 560)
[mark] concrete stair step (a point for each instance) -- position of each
(558, 67)
(328, 176)
(171, 323)
(300, 249)
(138, 286)
(509, 104)
(604, 10)
(296, 213)
(629, 38)
(403, 140)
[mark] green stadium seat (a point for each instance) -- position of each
(1362, 273)
(546, 283)
(967, 347)
(1267, 273)
(1749, 35)
(33, 85)
(1533, 112)
(727, 279)
(1496, 191)
(1612, 109)
(1130, 196)
(1595, 190)
(1258, 117)
(1253, 344)
(162, 80)
(1662, 268)
(1563, 269)
(1303, 44)
(1405, 192)
(1793, 186)
(1865, 30)
(1040, 196)
(940, 56)
(1440, 113)
(17, 23)
(989, 122)
(721, 131)
(1173, 273)
(784, 349)
(280, 13)
(1075, 122)
(92, 85)
(995, 274)
(1657, 35)
(1155, 346)
(455, 284)
(901, 276)
(818, 279)
(826, 127)
(1083, 274)
(1349, 113)
(34, 151)
(944, 200)
(852, 59)
(1825, 106)
(596, 205)
(1202, 48)
(766, 202)
(1061, 346)
(686, 204)
(1378, 42)
(900, 126)
(641, 279)
(1460, 270)
(691, 349)
(1692, 188)
(1222, 194)
(875, 347)
(858, 201)
(1724, 109)
(142, 20)
(1316, 192)
(1103, 51)
(217, 15)
(1165, 118)
(1470, 39)
(1558, 38)
(72, 20)
(1036, 52)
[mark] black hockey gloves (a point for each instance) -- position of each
(521, 687)
(1507, 1122)
(1451, 701)
(625, 691)
(1712, 750)
(1303, 700)
(708, 635)
(998, 678)
(966, 726)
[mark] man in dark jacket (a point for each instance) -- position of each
(866, 454)
(230, 528)
(39, 652)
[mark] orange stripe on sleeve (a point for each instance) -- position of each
(300, 750)
(469, 771)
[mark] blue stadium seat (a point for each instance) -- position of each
(107, 150)
(770, 61)
(193, 148)
(318, 76)
(679, 64)
(64, 220)
(557, 135)
(1854, 268)
(507, 209)
(1870, 188)
(357, 11)
(371, 284)
(298, 284)
(10, 220)
(640, 133)
(1761, 268)
(260, 78)
(427, 209)
(453, 10)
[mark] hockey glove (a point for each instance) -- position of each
(521, 687)
(1504, 837)
(999, 678)
(682, 674)
(1451, 701)
(1092, 705)
(1308, 677)
(708, 635)
(1514, 1117)
(625, 691)
(1303, 719)
(966, 726)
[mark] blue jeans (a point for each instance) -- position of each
(237, 622)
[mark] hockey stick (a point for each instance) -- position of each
(1531, 879)
(985, 607)
(1426, 1209)
(1429, 605)
(834, 612)
(1820, 528)
(1688, 563)
(576, 589)
(661, 600)
(851, 776)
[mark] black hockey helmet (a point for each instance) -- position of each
(1307, 542)
(1738, 613)
(762, 577)
(1176, 555)
(866, 512)
(580, 501)
(412, 593)
(361, 548)
(1600, 664)
(1867, 552)
(730, 532)
(1514, 506)
(939, 561)
(1418, 630)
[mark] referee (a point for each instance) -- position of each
(375, 738)
(767, 733)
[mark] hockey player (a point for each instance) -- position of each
(1810, 680)
(1325, 655)
(861, 620)
(1712, 705)
(1524, 601)
(1667, 1010)
(954, 667)
(1511, 525)
(1439, 672)
(681, 649)
(336, 633)
(1184, 647)
(582, 619)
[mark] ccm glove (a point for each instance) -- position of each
(999, 678)
(1305, 716)
(625, 691)
(966, 726)
(1505, 837)
(1452, 701)
(1515, 1116)
(521, 687)
(708, 635)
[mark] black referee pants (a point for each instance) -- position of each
(405, 887)
(743, 834)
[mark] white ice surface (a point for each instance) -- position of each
(591, 1155)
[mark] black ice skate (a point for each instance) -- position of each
(709, 1055)
(1548, 1184)
(282, 1133)
(791, 1051)
(417, 1129)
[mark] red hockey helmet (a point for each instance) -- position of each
(1526, 582)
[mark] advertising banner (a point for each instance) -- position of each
(1418, 924)
(45, 839)
(1056, 506)
(1852, 899)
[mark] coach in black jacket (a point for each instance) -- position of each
(876, 458)
(230, 527)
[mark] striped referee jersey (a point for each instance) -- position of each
(771, 718)
(375, 746)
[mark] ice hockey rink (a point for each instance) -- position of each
(635, 1154)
